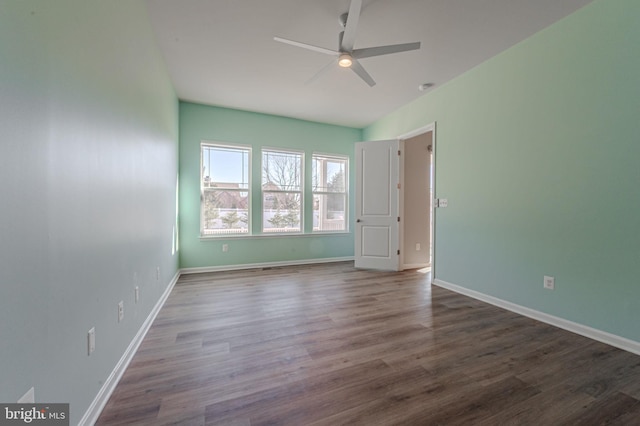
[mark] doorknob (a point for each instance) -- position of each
(358, 220)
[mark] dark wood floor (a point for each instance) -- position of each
(332, 345)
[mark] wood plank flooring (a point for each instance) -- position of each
(332, 345)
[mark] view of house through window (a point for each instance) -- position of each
(225, 190)
(329, 193)
(281, 191)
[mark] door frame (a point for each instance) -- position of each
(431, 127)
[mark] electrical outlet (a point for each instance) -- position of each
(225, 248)
(28, 398)
(136, 292)
(549, 282)
(120, 311)
(91, 341)
(417, 246)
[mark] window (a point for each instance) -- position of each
(225, 190)
(281, 191)
(330, 193)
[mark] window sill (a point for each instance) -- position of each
(291, 235)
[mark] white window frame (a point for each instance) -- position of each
(300, 191)
(316, 191)
(231, 233)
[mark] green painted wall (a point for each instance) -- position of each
(89, 161)
(200, 122)
(537, 154)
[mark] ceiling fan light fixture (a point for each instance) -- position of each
(345, 60)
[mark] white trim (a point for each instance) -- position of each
(224, 144)
(220, 237)
(264, 265)
(583, 330)
(433, 205)
(96, 407)
(424, 129)
(401, 193)
(333, 156)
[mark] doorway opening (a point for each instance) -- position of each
(417, 173)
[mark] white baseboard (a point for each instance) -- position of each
(264, 265)
(96, 407)
(583, 330)
(101, 399)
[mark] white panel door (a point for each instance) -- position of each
(376, 245)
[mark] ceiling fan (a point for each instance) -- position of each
(346, 54)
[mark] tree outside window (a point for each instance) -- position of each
(282, 173)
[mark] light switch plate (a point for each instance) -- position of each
(91, 340)
(120, 310)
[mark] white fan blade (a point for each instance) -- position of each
(350, 28)
(358, 69)
(307, 46)
(321, 72)
(368, 52)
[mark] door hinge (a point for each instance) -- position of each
(398, 251)
(398, 152)
(398, 218)
(398, 186)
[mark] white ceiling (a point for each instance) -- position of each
(222, 52)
